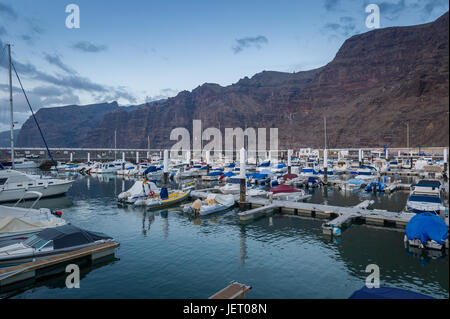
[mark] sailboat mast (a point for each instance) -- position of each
(11, 106)
(325, 130)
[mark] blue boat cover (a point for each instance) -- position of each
(150, 169)
(427, 226)
(228, 174)
(424, 198)
(387, 293)
(258, 176)
(164, 193)
(265, 164)
(216, 173)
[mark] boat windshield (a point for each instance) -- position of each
(36, 242)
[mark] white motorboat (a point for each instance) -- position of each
(140, 190)
(214, 203)
(21, 222)
(13, 185)
(425, 197)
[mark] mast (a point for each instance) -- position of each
(325, 125)
(115, 144)
(11, 106)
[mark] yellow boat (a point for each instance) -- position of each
(174, 198)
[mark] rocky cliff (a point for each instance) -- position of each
(377, 83)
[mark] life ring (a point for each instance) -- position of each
(151, 193)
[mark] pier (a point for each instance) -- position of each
(234, 290)
(48, 266)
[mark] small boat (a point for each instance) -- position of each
(375, 187)
(18, 222)
(214, 203)
(139, 190)
(163, 199)
(426, 230)
(425, 197)
(352, 184)
(50, 242)
(285, 192)
(313, 181)
(213, 176)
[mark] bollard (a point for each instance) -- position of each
(289, 160)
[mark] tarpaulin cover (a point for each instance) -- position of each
(150, 169)
(289, 176)
(69, 235)
(424, 198)
(258, 176)
(265, 164)
(387, 293)
(427, 226)
(164, 194)
(284, 189)
(228, 174)
(217, 173)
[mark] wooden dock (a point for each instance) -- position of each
(339, 216)
(37, 269)
(234, 290)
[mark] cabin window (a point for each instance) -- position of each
(19, 185)
(50, 182)
(3, 181)
(30, 184)
(40, 183)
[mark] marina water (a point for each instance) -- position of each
(166, 254)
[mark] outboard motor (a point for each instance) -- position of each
(164, 194)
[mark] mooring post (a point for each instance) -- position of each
(166, 167)
(88, 157)
(325, 167)
(123, 160)
(207, 162)
(445, 165)
(289, 160)
(360, 155)
(243, 182)
(71, 157)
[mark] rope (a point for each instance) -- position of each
(32, 112)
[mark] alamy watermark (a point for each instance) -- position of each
(73, 19)
(373, 279)
(373, 19)
(73, 279)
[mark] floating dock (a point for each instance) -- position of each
(47, 266)
(234, 290)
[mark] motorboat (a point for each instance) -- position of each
(13, 185)
(285, 192)
(375, 187)
(426, 230)
(21, 163)
(353, 184)
(425, 197)
(164, 198)
(313, 181)
(214, 203)
(140, 190)
(19, 221)
(51, 242)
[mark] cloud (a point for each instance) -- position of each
(162, 95)
(7, 11)
(56, 60)
(430, 5)
(390, 10)
(345, 27)
(27, 38)
(86, 46)
(2, 30)
(248, 42)
(331, 5)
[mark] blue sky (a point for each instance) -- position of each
(133, 51)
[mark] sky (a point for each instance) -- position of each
(136, 51)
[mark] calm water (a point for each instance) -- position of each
(165, 254)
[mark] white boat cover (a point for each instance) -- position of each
(12, 224)
(226, 200)
(137, 189)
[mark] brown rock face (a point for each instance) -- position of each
(378, 81)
